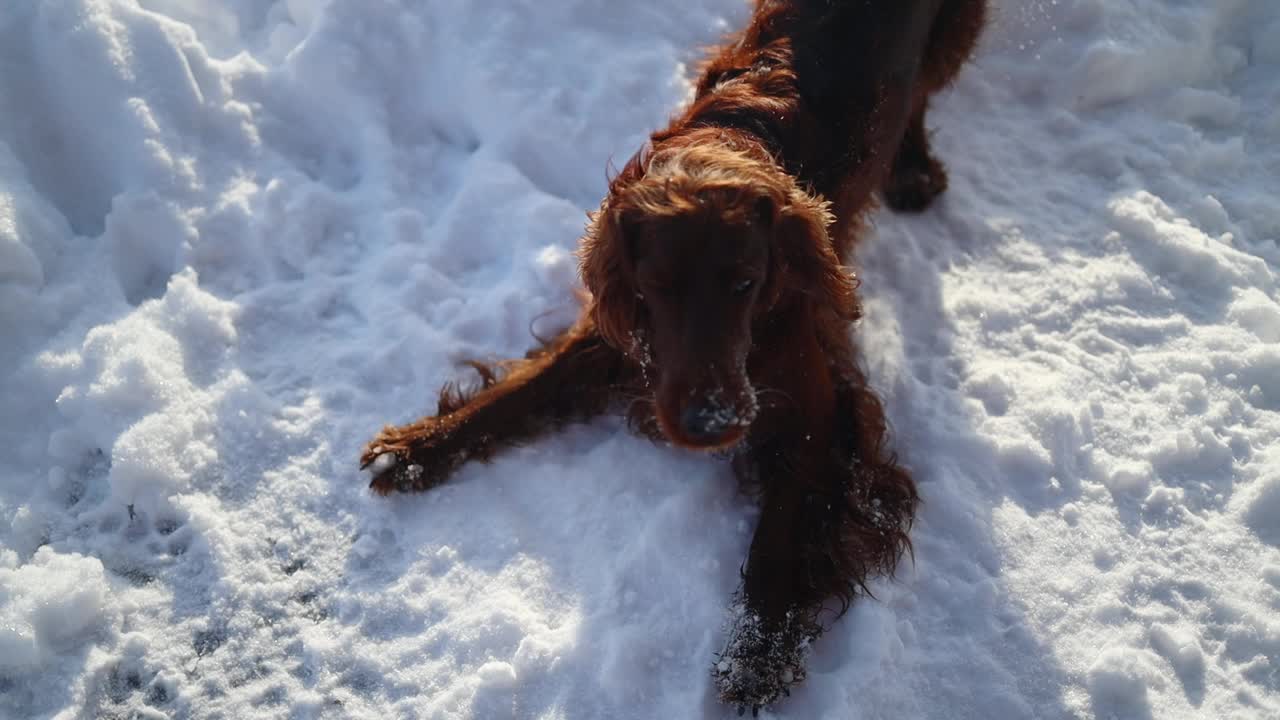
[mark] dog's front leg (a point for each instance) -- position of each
(774, 616)
(570, 380)
(835, 510)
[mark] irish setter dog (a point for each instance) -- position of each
(720, 299)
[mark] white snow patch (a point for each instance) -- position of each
(1119, 680)
(1262, 508)
(50, 606)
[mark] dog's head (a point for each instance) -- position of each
(682, 263)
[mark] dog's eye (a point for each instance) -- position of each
(742, 286)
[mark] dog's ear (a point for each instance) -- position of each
(764, 215)
(806, 259)
(605, 262)
(764, 211)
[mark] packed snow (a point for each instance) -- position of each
(237, 237)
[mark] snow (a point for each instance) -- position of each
(52, 603)
(238, 237)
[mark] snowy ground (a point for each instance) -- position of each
(237, 237)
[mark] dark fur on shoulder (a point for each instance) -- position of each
(720, 307)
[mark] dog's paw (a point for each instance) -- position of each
(751, 688)
(762, 660)
(397, 463)
(389, 472)
(911, 187)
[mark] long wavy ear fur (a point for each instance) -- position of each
(606, 271)
(810, 264)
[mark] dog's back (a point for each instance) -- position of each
(835, 87)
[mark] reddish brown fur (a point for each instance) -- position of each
(720, 246)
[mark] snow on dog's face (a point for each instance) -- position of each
(685, 261)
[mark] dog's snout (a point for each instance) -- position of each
(705, 423)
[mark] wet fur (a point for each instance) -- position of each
(809, 112)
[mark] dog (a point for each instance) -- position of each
(720, 308)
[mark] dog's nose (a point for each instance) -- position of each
(705, 423)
